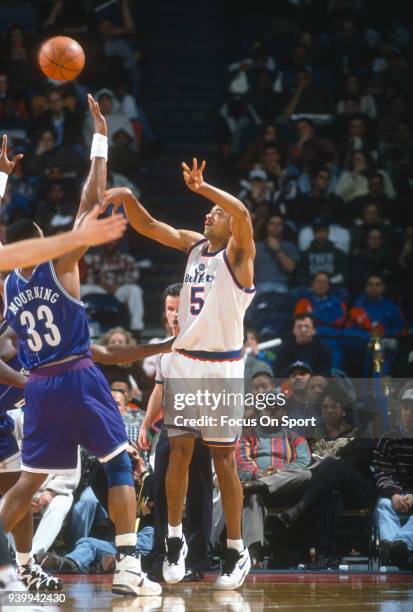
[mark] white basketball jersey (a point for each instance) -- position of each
(212, 303)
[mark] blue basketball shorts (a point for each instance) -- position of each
(66, 405)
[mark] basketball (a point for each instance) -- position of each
(61, 58)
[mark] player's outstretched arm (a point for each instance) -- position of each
(92, 232)
(126, 354)
(241, 246)
(145, 224)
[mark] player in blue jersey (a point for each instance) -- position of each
(68, 399)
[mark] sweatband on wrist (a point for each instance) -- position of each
(3, 183)
(99, 146)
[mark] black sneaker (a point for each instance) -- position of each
(36, 579)
(55, 563)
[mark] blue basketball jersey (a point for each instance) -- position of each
(49, 323)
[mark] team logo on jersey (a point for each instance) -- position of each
(199, 275)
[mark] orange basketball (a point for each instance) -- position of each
(61, 58)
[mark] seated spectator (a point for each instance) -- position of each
(318, 200)
(380, 190)
(353, 87)
(338, 235)
(57, 208)
(372, 218)
(310, 99)
(262, 382)
(269, 134)
(304, 346)
(255, 367)
(322, 256)
(63, 123)
(141, 386)
(263, 100)
(376, 314)
(309, 150)
(276, 259)
(111, 271)
(328, 309)
(47, 157)
(353, 182)
(375, 259)
(270, 461)
(123, 158)
(341, 481)
(256, 189)
(115, 121)
(251, 344)
(270, 162)
(358, 137)
(393, 471)
(299, 374)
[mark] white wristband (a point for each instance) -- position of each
(3, 183)
(99, 146)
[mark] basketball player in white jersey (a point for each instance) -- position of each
(217, 289)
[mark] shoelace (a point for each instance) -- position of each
(174, 546)
(34, 575)
(230, 561)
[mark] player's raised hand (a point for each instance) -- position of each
(115, 196)
(193, 176)
(96, 231)
(7, 165)
(98, 119)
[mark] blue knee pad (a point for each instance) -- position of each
(119, 470)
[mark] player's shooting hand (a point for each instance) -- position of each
(115, 196)
(7, 165)
(193, 177)
(98, 119)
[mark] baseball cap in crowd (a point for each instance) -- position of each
(258, 173)
(299, 365)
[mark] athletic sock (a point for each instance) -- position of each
(175, 531)
(126, 544)
(237, 545)
(24, 558)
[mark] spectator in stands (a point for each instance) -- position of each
(318, 200)
(341, 481)
(64, 124)
(309, 99)
(263, 100)
(353, 87)
(252, 343)
(276, 259)
(115, 121)
(256, 189)
(358, 137)
(375, 259)
(47, 158)
(123, 158)
(322, 256)
(328, 309)
(270, 162)
(271, 461)
(269, 134)
(309, 150)
(111, 271)
(393, 470)
(57, 209)
(299, 374)
(141, 386)
(376, 314)
(372, 218)
(353, 182)
(304, 346)
(380, 190)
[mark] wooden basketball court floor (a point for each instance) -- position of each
(315, 592)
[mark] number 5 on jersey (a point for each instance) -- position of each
(197, 299)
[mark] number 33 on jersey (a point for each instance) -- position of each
(50, 324)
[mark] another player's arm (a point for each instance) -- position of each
(153, 413)
(6, 166)
(143, 223)
(11, 377)
(93, 232)
(115, 354)
(241, 246)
